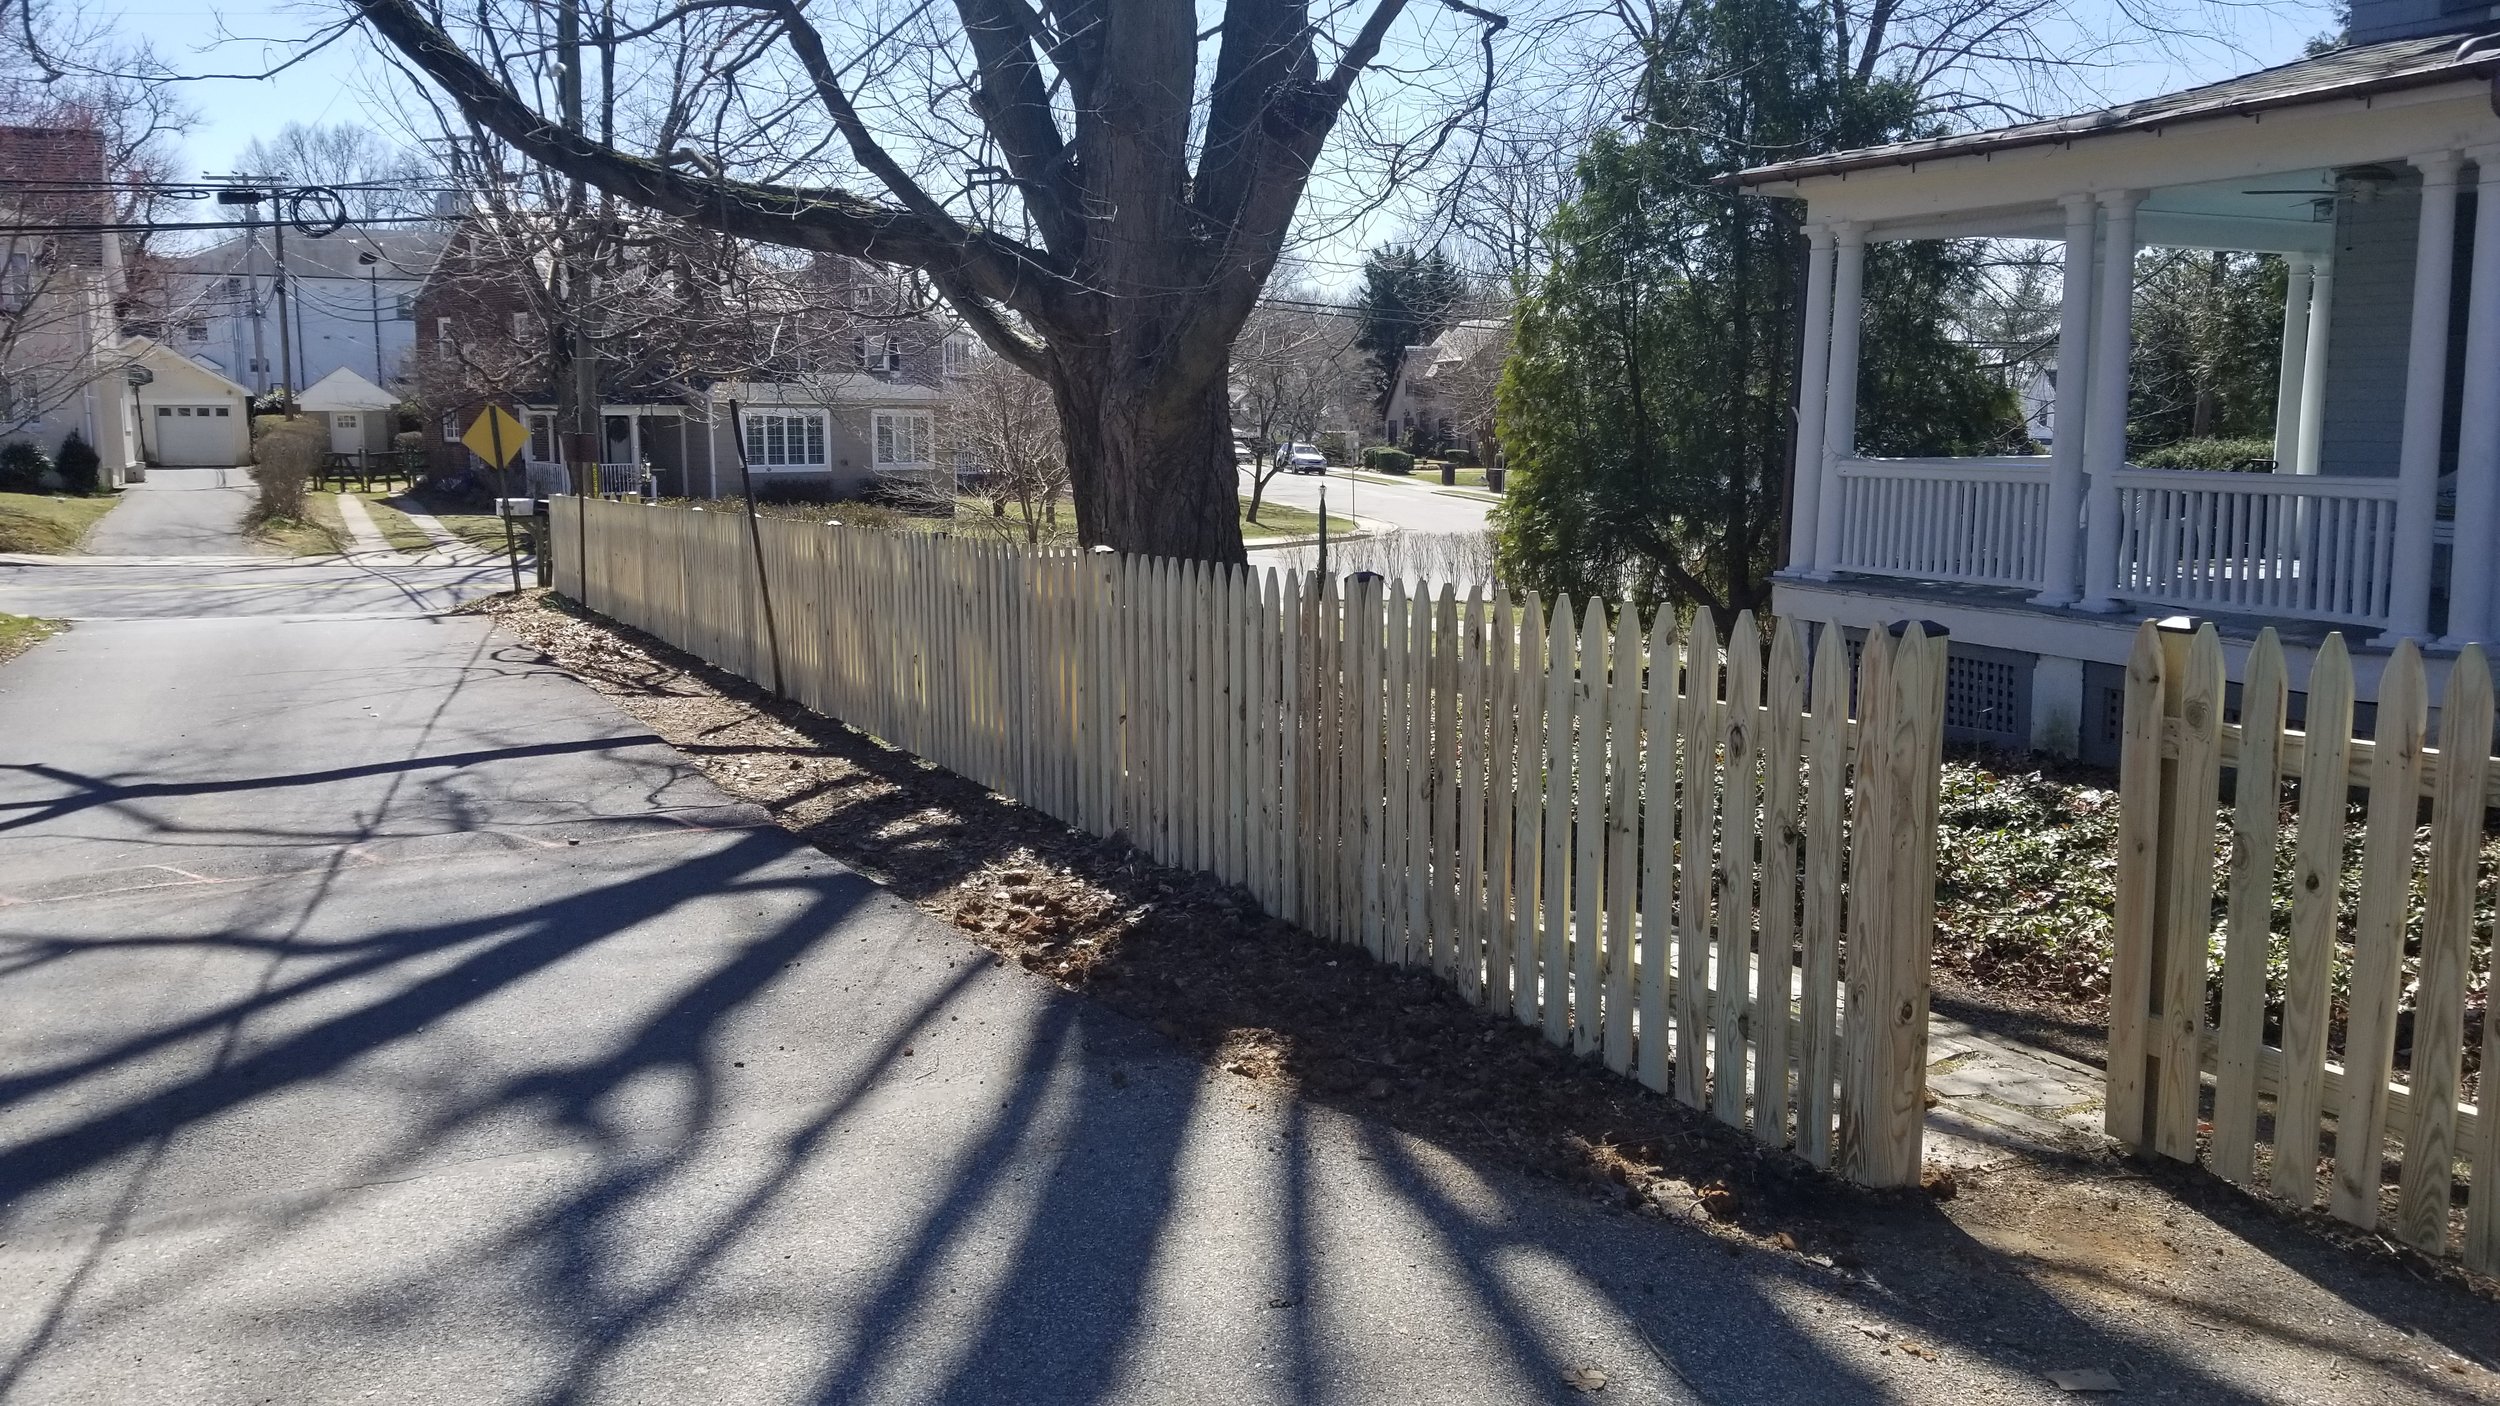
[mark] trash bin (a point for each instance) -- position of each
(1493, 479)
(1449, 475)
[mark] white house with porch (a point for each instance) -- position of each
(2364, 169)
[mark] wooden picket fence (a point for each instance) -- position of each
(2167, 1033)
(1648, 847)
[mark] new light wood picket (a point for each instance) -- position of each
(2169, 878)
(1629, 840)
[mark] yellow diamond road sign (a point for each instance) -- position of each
(495, 436)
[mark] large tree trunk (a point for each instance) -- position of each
(1152, 464)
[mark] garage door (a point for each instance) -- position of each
(193, 434)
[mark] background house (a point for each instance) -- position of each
(360, 416)
(189, 415)
(838, 369)
(350, 303)
(1443, 398)
(62, 355)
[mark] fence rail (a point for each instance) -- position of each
(2270, 544)
(2166, 1031)
(1652, 848)
(1970, 520)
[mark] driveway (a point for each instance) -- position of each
(179, 512)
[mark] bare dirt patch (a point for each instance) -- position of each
(1987, 1259)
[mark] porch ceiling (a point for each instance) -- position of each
(2273, 212)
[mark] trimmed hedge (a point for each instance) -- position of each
(81, 468)
(2204, 454)
(1386, 459)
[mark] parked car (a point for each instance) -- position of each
(1302, 459)
(1241, 452)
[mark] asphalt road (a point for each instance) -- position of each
(383, 1017)
(116, 588)
(1412, 507)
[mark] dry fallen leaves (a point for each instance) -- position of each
(1587, 1379)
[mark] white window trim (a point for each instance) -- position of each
(878, 438)
(823, 421)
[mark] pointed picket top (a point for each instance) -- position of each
(2255, 829)
(2377, 968)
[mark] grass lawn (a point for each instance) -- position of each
(475, 528)
(53, 524)
(320, 533)
(1284, 520)
(19, 633)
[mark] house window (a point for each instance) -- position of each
(542, 436)
(957, 354)
(234, 285)
(195, 331)
(224, 412)
(405, 309)
(442, 333)
(786, 439)
(343, 422)
(879, 353)
(451, 427)
(902, 439)
(523, 326)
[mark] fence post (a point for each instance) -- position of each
(2167, 806)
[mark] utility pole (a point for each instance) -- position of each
(582, 354)
(373, 283)
(251, 192)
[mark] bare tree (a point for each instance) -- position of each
(1100, 206)
(1294, 368)
(378, 178)
(1002, 421)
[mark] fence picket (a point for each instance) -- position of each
(2180, 952)
(1442, 912)
(1474, 745)
(1738, 804)
(2378, 937)
(2447, 935)
(1588, 832)
(1402, 714)
(1502, 702)
(1623, 820)
(1783, 745)
(1697, 733)
(1554, 935)
(2137, 903)
(1827, 760)
(2317, 871)
(1527, 810)
(2255, 820)
(1653, 979)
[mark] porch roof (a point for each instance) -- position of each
(2360, 71)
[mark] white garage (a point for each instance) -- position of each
(189, 415)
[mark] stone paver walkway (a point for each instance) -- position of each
(1994, 1099)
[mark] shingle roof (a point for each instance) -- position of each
(2354, 72)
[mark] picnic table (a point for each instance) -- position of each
(369, 472)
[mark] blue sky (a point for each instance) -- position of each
(329, 86)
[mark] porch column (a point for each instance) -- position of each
(2313, 365)
(1806, 475)
(1840, 386)
(2295, 364)
(2105, 409)
(2426, 400)
(2478, 434)
(2074, 376)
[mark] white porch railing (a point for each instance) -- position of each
(2273, 544)
(1976, 521)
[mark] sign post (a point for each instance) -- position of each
(486, 437)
